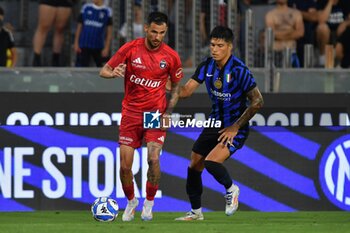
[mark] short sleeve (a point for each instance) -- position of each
(176, 71)
(120, 56)
(246, 79)
(199, 74)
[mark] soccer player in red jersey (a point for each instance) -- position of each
(146, 64)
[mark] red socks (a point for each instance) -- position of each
(151, 191)
(129, 191)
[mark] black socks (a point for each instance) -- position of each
(194, 187)
(219, 172)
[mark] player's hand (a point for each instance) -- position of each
(104, 52)
(228, 134)
(119, 71)
(77, 49)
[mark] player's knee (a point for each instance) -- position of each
(153, 162)
(124, 170)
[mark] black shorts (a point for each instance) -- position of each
(208, 139)
(57, 3)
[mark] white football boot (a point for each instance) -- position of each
(146, 214)
(232, 201)
(191, 216)
(129, 211)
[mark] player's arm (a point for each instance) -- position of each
(108, 72)
(188, 89)
(174, 97)
(256, 102)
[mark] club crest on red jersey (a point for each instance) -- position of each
(162, 64)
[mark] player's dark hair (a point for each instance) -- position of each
(158, 18)
(221, 32)
(2, 11)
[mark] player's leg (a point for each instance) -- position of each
(130, 137)
(214, 165)
(62, 17)
(126, 178)
(153, 177)
(194, 188)
(46, 19)
(154, 140)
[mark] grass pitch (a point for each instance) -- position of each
(215, 222)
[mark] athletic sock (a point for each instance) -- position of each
(197, 211)
(219, 172)
(56, 59)
(194, 188)
(231, 188)
(129, 191)
(151, 190)
(37, 59)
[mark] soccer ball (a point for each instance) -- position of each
(104, 209)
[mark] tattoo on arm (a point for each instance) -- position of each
(173, 98)
(256, 102)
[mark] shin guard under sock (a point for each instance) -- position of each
(219, 172)
(194, 187)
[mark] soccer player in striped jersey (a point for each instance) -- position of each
(230, 85)
(146, 64)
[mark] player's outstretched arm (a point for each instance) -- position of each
(188, 89)
(108, 72)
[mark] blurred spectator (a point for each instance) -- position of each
(223, 12)
(52, 13)
(137, 23)
(342, 48)
(204, 22)
(259, 52)
(331, 17)
(308, 9)
(94, 33)
(287, 25)
(7, 44)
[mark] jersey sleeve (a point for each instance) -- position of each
(121, 56)
(110, 20)
(199, 74)
(176, 72)
(82, 11)
(246, 79)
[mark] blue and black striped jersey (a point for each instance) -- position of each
(94, 20)
(227, 88)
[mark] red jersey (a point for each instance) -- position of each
(146, 74)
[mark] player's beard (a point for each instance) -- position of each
(153, 44)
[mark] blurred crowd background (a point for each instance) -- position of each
(280, 33)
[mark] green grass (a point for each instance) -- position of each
(215, 222)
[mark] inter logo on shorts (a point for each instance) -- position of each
(335, 172)
(162, 64)
(151, 120)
